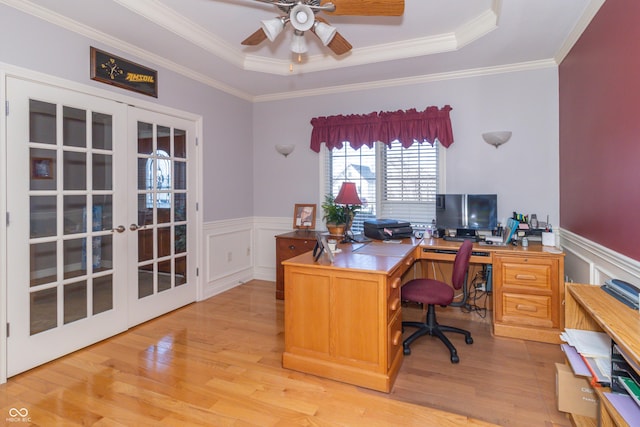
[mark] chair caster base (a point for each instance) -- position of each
(455, 359)
(406, 351)
(468, 340)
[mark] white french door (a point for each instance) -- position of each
(100, 234)
(162, 209)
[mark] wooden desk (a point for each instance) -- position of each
(343, 320)
(528, 286)
(588, 307)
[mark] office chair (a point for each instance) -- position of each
(434, 292)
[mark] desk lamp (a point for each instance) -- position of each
(348, 196)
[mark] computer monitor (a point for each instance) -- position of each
(467, 211)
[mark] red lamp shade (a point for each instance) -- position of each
(348, 195)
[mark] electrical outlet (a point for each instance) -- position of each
(481, 287)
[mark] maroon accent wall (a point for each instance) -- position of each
(600, 130)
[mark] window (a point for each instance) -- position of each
(408, 185)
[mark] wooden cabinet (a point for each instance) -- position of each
(289, 245)
(589, 307)
(528, 295)
(343, 320)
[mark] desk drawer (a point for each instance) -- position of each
(394, 282)
(394, 339)
(393, 303)
(534, 274)
(529, 310)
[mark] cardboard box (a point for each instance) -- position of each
(575, 394)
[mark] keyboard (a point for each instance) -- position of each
(460, 239)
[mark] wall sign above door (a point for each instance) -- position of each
(113, 70)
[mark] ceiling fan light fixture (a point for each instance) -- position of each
(298, 43)
(273, 27)
(325, 32)
(302, 17)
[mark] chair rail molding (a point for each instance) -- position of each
(589, 262)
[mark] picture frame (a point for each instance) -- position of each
(304, 216)
(42, 168)
(113, 70)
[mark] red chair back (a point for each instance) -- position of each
(461, 264)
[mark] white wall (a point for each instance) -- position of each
(523, 172)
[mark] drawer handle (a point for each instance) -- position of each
(397, 337)
(410, 261)
(395, 304)
(396, 283)
(525, 277)
(529, 308)
(292, 247)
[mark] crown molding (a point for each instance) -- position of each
(475, 72)
(91, 33)
(590, 11)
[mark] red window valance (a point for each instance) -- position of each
(365, 129)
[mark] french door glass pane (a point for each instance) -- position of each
(103, 203)
(102, 172)
(145, 281)
(42, 122)
(43, 216)
(74, 253)
(43, 169)
(164, 140)
(181, 271)
(75, 301)
(102, 294)
(179, 143)
(164, 275)
(43, 310)
(75, 214)
(74, 127)
(102, 131)
(75, 170)
(43, 263)
(164, 241)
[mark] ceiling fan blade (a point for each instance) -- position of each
(256, 38)
(367, 7)
(339, 45)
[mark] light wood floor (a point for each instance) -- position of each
(218, 363)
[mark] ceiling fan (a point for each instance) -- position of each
(302, 16)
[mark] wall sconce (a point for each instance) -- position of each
(285, 149)
(496, 138)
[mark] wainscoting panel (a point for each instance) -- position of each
(589, 262)
(266, 230)
(228, 255)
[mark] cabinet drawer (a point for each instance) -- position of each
(291, 247)
(394, 339)
(528, 274)
(530, 310)
(395, 279)
(393, 303)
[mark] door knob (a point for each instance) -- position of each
(134, 227)
(119, 229)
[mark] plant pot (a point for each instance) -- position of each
(336, 229)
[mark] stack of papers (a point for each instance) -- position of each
(595, 349)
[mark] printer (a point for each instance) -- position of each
(385, 229)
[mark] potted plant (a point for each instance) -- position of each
(337, 217)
